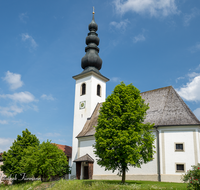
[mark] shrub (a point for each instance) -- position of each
(193, 177)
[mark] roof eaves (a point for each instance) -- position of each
(177, 125)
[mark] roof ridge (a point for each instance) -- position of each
(60, 144)
(90, 156)
(156, 89)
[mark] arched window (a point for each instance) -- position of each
(98, 90)
(83, 89)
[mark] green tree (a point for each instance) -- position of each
(11, 159)
(122, 139)
(45, 161)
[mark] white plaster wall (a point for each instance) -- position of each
(81, 115)
(198, 137)
(85, 147)
(169, 157)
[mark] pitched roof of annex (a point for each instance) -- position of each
(166, 109)
(66, 149)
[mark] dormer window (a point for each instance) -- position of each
(83, 89)
(98, 90)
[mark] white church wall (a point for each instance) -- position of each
(168, 156)
(97, 99)
(198, 144)
(169, 136)
(147, 171)
(80, 115)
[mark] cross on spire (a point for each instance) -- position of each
(93, 11)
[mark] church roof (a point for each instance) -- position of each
(166, 109)
(85, 158)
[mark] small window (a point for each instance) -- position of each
(83, 89)
(179, 147)
(98, 90)
(180, 167)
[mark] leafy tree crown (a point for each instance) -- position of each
(122, 137)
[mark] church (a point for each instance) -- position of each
(176, 130)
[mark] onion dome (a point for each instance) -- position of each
(91, 58)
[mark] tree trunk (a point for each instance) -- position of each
(123, 175)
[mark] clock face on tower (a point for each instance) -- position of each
(82, 105)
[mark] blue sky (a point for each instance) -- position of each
(150, 43)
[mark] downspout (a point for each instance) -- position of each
(158, 153)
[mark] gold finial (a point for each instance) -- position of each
(93, 11)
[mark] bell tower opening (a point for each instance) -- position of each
(98, 90)
(83, 89)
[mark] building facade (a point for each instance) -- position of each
(176, 130)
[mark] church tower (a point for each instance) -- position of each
(90, 87)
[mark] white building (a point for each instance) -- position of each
(176, 129)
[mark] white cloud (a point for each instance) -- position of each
(115, 79)
(191, 91)
(3, 122)
(188, 17)
(120, 25)
(22, 97)
(195, 48)
(139, 38)
(26, 37)
(10, 111)
(193, 74)
(179, 78)
(197, 113)
(5, 144)
(47, 97)
(23, 17)
(198, 68)
(13, 79)
(153, 7)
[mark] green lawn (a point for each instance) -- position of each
(95, 185)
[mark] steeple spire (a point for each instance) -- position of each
(91, 58)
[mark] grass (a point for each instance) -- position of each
(96, 185)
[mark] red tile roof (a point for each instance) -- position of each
(1, 154)
(66, 149)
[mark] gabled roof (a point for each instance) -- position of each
(166, 109)
(66, 149)
(85, 158)
(88, 128)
